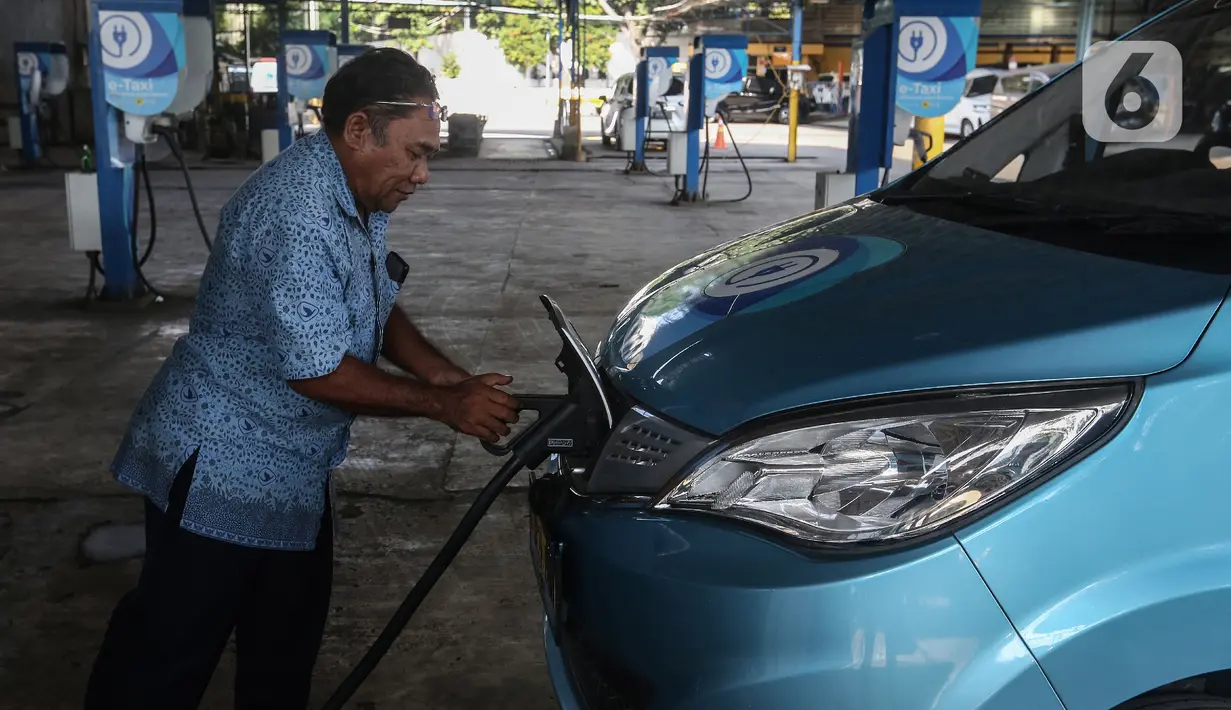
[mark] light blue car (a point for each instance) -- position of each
(961, 443)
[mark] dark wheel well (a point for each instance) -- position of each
(1211, 691)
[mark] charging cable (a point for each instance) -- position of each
(174, 142)
(528, 450)
(141, 173)
(705, 170)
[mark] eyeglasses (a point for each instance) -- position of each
(435, 111)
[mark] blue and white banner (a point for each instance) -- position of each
(934, 56)
(307, 70)
(142, 55)
(725, 68)
(347, 52)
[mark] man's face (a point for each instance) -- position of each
(387, 174)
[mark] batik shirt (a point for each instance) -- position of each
(295, 281)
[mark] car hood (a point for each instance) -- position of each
(866, 299)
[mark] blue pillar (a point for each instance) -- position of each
(663, 57)
(284, 96)
(874, 105)
(345, 21)
(871, 134)
(797, 32)
(641, 102)
(114, 198)
(696, 119)
(29, 59)
(718, 67)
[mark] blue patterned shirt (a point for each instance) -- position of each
(294, 282)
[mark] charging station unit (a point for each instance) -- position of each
(652, 80)
(347, 52)
(933, 58)
(307, 59)
(717, 67)
(42, 72)
(151, 64)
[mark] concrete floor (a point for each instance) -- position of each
(483, 240)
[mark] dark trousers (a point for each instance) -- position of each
(166, 636)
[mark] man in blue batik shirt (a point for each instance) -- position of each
(234, 441)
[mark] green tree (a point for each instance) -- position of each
(449, 66)
(409, 32)
(262, 30)
(526, 39)
(368, 25)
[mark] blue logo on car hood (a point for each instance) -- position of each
(746, 282)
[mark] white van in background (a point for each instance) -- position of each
(975, 107)
(1016, 83)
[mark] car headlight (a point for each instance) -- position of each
(898, 472)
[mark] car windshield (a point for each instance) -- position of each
(1038, 156)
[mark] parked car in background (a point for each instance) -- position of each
(1015, 84)
(975, 107)
(761, 98)
(826, 95)
(666, 114)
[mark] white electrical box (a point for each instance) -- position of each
(84, 232)
(628, 129)
(833, 188)
(15, 132)
(269, 144)
(677, 153)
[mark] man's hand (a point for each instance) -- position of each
(475, 407)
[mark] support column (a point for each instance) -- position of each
(1085, 28)
(120, 283)
(345, 22)
(797, 40)
(284, 96)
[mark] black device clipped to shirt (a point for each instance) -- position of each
(397, 267)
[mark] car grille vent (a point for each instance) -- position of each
(640, 445)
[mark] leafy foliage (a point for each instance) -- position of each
(527, 39)
(449, 66)
(368, 24)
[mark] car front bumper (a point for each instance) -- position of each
(673, 611)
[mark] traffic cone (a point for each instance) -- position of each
(721, 141)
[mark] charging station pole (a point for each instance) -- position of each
(717, 67)
(150, 64)
(653, 70)
(42, 70)
(893, 72)
(307, 60)
(136, 51)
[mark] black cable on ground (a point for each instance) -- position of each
(428, 580)
(140, 172)
(178, 152)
